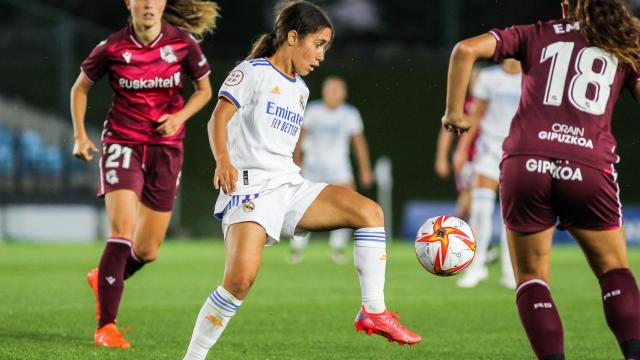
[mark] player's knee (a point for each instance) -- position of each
(370, 215)
(240, 285)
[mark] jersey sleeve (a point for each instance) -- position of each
(511, 42)
(195, 63)
(482, 87)
(239, 85)
(356, 126)
(96, 65)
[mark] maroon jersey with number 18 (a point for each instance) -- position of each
(147, 81)
(569, 90)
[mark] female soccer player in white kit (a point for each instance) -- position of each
(496, 93)
(253, 132)
(329, 126)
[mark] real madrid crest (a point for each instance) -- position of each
(302, 102)
(248, 206)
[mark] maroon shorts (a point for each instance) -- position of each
(536, 192)
(151, 171)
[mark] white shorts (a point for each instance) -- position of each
(277, 210)
(487, 158)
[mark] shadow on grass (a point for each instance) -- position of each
(7, 335)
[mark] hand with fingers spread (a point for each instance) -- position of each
(457, 123)
(170, 124)
(83, 148)
(225, 177)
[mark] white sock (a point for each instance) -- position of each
(213, 318)
(338, 239)
(505, 258)
(299, 243)
(370, 258)
(482, 206)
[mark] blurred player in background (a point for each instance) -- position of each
(142, 147)
(559, 157)
(253, 132)
(329, 127)
(461, 162)
(496, 96)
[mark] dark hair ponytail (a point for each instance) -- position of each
(607, 24)
(302, 16)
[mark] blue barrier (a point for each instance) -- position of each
(415, 213)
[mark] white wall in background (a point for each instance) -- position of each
(52, 223)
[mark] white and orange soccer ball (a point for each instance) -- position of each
(445, 245)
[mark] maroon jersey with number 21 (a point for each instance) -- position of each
(147, 81)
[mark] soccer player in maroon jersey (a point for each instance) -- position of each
(559, 156)
(142, 149)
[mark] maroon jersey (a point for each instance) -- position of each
(147, 81)
(569, 90)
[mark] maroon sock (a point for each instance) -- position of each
(621, 301)
(134, 263)
(540, 319)
(111, 278)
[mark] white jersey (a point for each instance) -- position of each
(327, 141)
(263, 132)
(501, 91)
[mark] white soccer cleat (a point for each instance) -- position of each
(295, 257)
(338, 257)
(472, 277)
(508, 281)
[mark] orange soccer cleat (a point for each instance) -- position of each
(92, 279)
(109, 336)
(387, 325)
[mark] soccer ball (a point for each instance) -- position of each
(445, 245)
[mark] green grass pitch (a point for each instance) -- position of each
(303, 311)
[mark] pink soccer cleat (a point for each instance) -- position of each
(387, 325)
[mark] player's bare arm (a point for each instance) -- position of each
(171, 123)
(443, 146)
(463, 57)
(83, 146)
(225, 175)
(361, 150)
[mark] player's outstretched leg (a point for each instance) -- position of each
(337, 207)
(540, 319)
(369, 253)
(621, 301)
